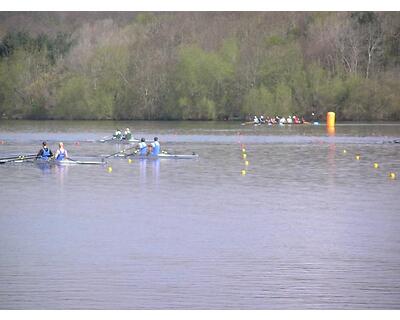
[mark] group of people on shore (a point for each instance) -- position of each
(45, 153)
(282, 120)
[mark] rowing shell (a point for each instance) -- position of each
(166, 156)
(65, 162)
(68, 162)
(121, 141)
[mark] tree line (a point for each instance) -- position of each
(201, 65)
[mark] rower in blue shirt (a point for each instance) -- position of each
(44, 153)
(155, 147)
(142, 147)
(61, 153)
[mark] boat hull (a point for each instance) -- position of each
(166, 156)
(67, 162)
(120, 141)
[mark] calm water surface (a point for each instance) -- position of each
(308, 226)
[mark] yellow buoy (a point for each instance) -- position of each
(392, 175)
(243, 150)
(243, 172)
(344, 151)
(376, 165)
(244, 156)
(246, 162)
(357, 157)
(109, 169)
(129, 160)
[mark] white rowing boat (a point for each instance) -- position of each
(120, 141)
(67, 162)
(49, 162)
(166, 156)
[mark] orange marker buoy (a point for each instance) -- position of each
(330, 119)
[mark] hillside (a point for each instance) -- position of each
(199, 65)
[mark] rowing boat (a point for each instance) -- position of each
(315, 123)
(165, 156)
(49, 162)
(68, 162)
(119, 141)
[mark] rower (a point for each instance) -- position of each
(142, 147)
(117, 134)
(61, 153)
(155, 147)
(45, 152)
(127, 134)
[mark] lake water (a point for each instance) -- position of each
(307, 227)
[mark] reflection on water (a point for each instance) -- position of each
(330, 131)
(60, 171)
(152, 165)
(308, 226)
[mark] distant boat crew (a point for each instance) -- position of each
(127, 134)
(117, 134)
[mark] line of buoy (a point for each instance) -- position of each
(244, 156)
(391, 175)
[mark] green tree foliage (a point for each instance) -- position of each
(200, 79)
(200, 66)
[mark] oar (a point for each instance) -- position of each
(106, 138)
(122, 151)
(18, 157)
(133, 153)
(86, 162)
(21, 158)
